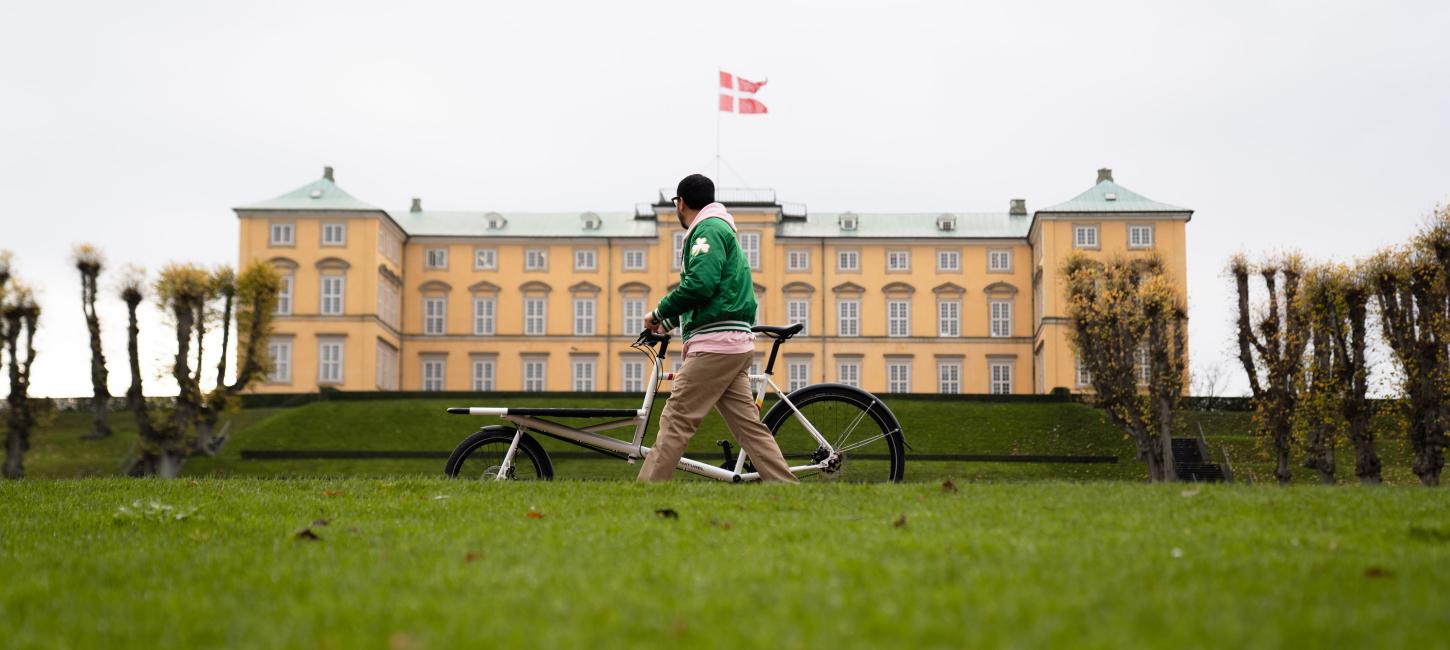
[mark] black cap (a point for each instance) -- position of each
(696, 190)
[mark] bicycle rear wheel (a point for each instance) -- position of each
(856, 424)
(480, 455)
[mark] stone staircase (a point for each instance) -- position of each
(1191, 464)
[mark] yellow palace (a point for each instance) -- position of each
(416, 299)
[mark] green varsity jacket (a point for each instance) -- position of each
(716, 292)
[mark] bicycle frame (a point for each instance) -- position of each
(631, 450)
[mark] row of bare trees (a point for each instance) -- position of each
(1303, 347)
(194, 299)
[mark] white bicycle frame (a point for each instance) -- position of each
(635, 449)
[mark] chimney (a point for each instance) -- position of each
(1019, 208)
(417, 205)
(327, 173)
(1105, 174)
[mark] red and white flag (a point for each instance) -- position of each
(736, 95)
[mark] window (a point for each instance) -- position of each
(387, 301)
(534, 368)
(435, 258)
(1084, 236)
(999, 261)
(898, 318)
(1140, 236)
(485, 259)
(949, 261)
(584, 259)
(948, 377)
(283, 234)
(798, 373)
(435, 315)
(332, 295)
(386, 367)
(536, 259)
(898, 375)
(848, 260)
(949, 318)
(485, 316)
(848, 318)
(848, 372)
(898, 260)
(389, 245)
(798, 311)
(797, 259)
(280, 352)
(678, 249)
(583, 317)
(631, 376)
(634, 259)
(583, 374)
(433, 368)
(483, 372)
(1084, 376)
(329, 361)
(750, 245)
(1001, 318)
(633, 315)
(334, 234)
(1143, 365)
(534, 312)
(284, 297)
(1000, 377)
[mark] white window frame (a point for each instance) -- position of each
(386, 366)
(798, 310)
(539, 383)
(948, 376)
(331, 371)
(848, 372)
(1083, 377)
(1142, 233)
(848, 317)
(536, 259)
(586, 259)
(485, 315)
(338, 230)
(634, 259)
(284, 295)
(677, 248)
(798, 259)
(999, 261)
(387, 301)
(279, 350)
(898, 325)
(435, 315)
(536, 324)
(854, 258)
(1142, 365)
(750, 246)
(797, 372)
(584, 382)
(332, 299)
(948, 261)
(898, 375)
(949, 317)
(435, 373)
(898, 261)
(999, 317)
(484, 372)
(485, 259)
(1085, 236)
(631, 375)
(633, 310)
(435, 259)
(999, 376)
(585, 310)
(277, 230)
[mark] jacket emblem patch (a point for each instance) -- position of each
(700, 246)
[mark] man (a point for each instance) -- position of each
(714, 307)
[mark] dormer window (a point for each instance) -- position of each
(946, 222)
(848, 221)
(495, 221)
(591, 221)
(1110, 196)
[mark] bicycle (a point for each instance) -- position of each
(829, 431)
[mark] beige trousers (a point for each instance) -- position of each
(712, 380)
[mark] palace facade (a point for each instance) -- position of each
(417, 299)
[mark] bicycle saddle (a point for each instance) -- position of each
(778, 332)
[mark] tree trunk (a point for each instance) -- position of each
(1426, 436)
(100, 392)
(14, 455)
(1282, 435)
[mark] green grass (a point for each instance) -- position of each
(428, 563)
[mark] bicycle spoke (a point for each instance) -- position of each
(852, 427)
(862, 443)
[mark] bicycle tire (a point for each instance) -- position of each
(854, 400)
(538, 466)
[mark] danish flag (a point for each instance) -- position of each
(737, 93)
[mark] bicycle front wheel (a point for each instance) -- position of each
(858, 426)
(480, 456)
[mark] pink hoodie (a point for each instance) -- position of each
(719, 342)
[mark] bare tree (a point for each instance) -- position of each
(1272, 348)
(1412, 289)
(1116, 309)
(19, 314)
(1209, 380)
(89, 262)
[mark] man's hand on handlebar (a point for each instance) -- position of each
(651, 323)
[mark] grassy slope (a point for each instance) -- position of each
(1029, 565)
(931, 427)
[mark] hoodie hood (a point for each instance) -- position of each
(716, 211)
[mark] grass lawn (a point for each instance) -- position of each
(428, 563)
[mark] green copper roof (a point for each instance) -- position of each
(434, 223)
(321, 194)
(966, 225)
(1108, 196)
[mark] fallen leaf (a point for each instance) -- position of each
(948, 486)
(192, 483)
(667, 513)
(532, 514)
(1378, 572)
(900, 522)
(400, 641)
(320, 522)
(1189, 493)
(332, 493)
(306, 534)
(473, 555)
(722, 525)
(678, 625)
(436, 497)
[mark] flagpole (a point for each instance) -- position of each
(718, 70)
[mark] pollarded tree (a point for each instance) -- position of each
(1336, 304)
(1272, 350)
(253, 296)
(19, 315)
(89, 262)
(1412, 289)
(1116, 309)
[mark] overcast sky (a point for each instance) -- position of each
(1319, 126)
